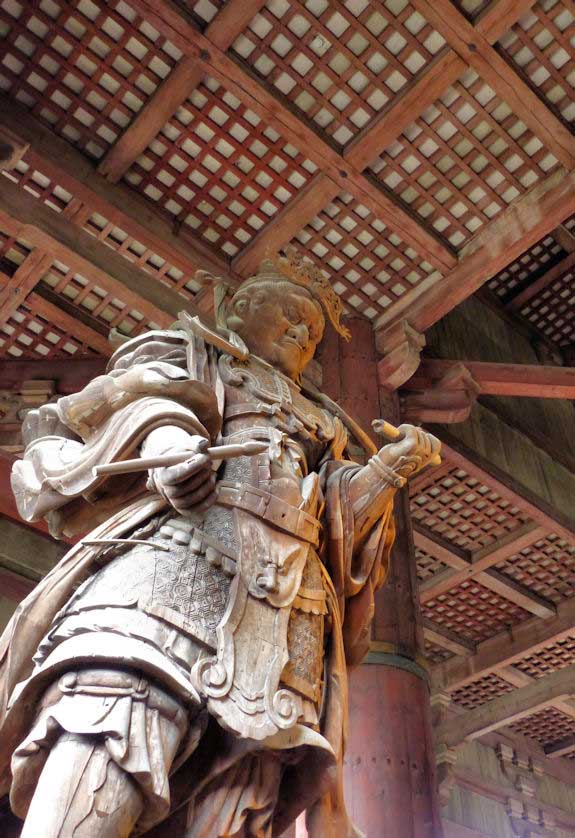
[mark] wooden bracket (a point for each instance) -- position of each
(401, 348)
(12, 149)
(527, 818)
(446, 759)
(447, 401)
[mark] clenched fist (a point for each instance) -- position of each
(190, 485)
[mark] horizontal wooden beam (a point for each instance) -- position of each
(562, 748)
(505, 649)
(509, 708)
(477, 567)
(495, 790)
(45, 229)
(493, 379)
(506, 238)
(447, 639)
(67, 167)
(26, 556)
(172, 21)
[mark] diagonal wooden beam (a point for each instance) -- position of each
(45, 229)
(401, 112)
(534, 288)
(14, 289)
(508, 708)
(231, 21)
(174, 90)
(502, 651)
(496, 379)
(475, 50)
(58, 160)
(314, 197)
(446, 67)
(506, 238)
(72, 325)
(172, 93)
(499, 16)
(477, 567)
(172, 21)
(565, 238)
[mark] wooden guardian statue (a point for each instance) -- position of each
(186, 660)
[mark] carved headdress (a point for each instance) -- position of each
(290, 268)
(298, 271)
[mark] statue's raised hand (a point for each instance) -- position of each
(190, 485)
(414, 450)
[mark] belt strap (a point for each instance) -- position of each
(269, 508)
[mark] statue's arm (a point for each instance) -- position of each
(373, 486)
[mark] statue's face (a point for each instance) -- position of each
(283, 325)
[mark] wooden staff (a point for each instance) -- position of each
(386, 429)
(218, 452)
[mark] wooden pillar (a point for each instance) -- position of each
(390, 763)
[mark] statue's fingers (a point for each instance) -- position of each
(191, 501)
(171, 475)
(203, 478)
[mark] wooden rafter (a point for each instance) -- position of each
(175, 89)
(474, 48)
(463, 569)
(532, 380)
(508, 708)
(71, 170)
(170, 19)
(521, 679)
(316, 195)
(540, 284)
(172, 93)
(447, 639)
(68, 323)
(43, 228)
(418, 94)
(506, 238)
(503, 650)
(504, 484)
(14, 289)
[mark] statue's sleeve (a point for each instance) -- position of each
(152, 381)
(358, 567)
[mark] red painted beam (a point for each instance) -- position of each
(532, 380)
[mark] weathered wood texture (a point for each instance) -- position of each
(475, 332)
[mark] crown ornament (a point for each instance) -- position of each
(297, 270)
